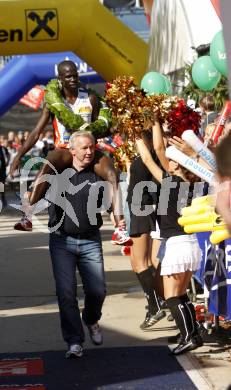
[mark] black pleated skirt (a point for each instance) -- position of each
(141, 224)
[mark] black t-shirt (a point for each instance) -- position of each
(81, 196)
(175, 194)
(139, 173)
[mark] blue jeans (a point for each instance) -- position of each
(85, 254)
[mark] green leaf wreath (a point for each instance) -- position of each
(56, 105)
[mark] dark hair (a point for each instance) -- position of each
(189, 176)
(223, 156)
(147, 134)
(66, 64)
(207, 103)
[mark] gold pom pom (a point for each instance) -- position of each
(132, 110)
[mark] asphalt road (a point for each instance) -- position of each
(31, 346)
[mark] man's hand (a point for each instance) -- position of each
(182, 146)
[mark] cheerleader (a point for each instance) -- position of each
(180, 252)
(144, 248)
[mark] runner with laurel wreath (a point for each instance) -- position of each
(70, 108)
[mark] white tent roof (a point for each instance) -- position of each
(176, 26)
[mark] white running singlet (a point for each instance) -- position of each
(82, 106)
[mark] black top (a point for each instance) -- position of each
(81, 197)
(175, 194)
(138, 173)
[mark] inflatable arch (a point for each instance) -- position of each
(84, 27)
(22, 72)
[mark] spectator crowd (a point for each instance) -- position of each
(12, 142)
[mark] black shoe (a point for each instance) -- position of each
(152, 319)
(202, 331)
(170, 317)
(185, 346)
(177, 338)
(163, 303)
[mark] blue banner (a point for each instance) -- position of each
(215, 273)
(22, 73)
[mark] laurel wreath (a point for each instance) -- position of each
(72, 121)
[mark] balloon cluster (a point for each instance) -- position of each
(182, 118)
(133, 110)
(207, 70)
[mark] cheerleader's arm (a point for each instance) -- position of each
(159, 146)
(148, 160)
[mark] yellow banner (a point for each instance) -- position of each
(85, 27)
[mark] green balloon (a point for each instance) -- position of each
(204, 73)
(218, 53)
(168, 86)
(153, 83)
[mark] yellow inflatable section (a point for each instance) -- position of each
(85, 27)
(201, 217)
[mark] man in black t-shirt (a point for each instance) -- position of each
(75, 242)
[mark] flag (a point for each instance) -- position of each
(204, 243)
(33, 98)
(215, 274)
(220, 291)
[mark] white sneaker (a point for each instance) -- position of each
(95, 334)
(75, 350)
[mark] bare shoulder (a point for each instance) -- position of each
(45, 111)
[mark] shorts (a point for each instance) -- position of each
(179, 254)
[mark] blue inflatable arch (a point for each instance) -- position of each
(23, 72)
